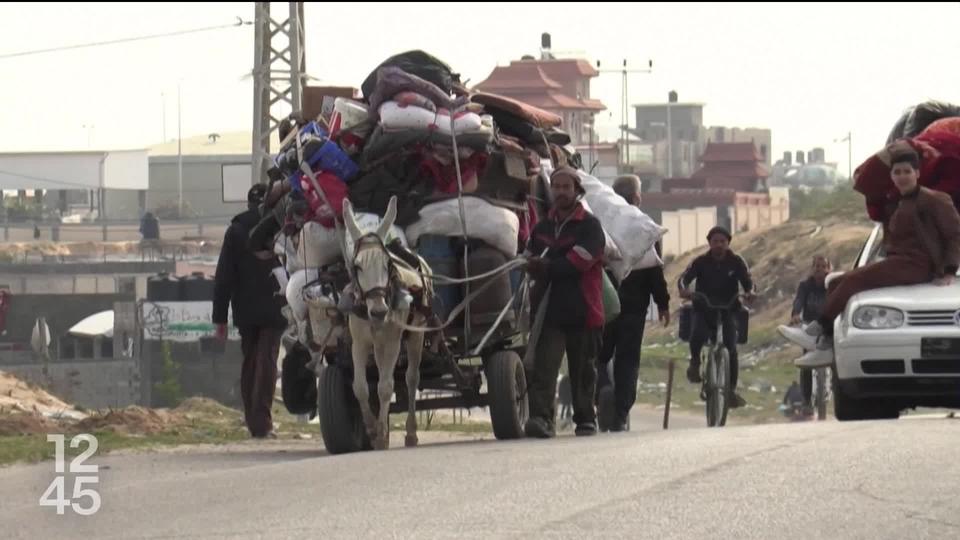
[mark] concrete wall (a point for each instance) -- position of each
(687, 229)
(204, 369)
(213, 229)
(202, 184)
(80, 278)
(122, 204)
(671, 240)
(90, 384)
(62, 312)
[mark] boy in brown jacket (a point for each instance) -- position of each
(922, 240)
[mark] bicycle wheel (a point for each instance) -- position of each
(716, 379)
(706, 392)
(722, 366)
(820, 393)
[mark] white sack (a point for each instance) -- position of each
(498, 227)
(318, 246)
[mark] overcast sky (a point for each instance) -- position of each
(809, 72)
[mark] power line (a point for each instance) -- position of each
(240, 22)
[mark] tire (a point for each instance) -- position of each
(718, 381)
(820, 393)
(298, 384)
(507, 394)
(606, 408)
(341, 424)
(848, 409)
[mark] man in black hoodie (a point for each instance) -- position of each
(625, 334)
(244, 282)
(719, 274)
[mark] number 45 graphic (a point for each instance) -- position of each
(55, 495)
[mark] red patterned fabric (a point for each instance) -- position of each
(336, 191)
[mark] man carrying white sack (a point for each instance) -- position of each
(625, 334)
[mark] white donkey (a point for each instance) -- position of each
(376, 279)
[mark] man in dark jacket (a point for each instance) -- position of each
(568, 249)
(719, 274)
(625, 334)
(243, 282)
(811, 295)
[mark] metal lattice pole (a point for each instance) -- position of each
(279, 69)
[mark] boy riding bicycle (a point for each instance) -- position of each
(719, 274)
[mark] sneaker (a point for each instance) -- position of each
(805, 337)
(618, 427)
(693, 374)
(820, 356)
(537, 428)
(586, 429)
(736, 401)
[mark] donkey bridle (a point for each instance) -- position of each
(385, 292)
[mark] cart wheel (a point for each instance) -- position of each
(341, 424)
(507, 394)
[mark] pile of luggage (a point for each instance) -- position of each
(932, 129)
(421, 136)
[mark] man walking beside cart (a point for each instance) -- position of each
(568, 277)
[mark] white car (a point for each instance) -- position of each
(897, 347)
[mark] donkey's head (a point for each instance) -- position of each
(371, 262)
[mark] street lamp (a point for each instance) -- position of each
(849, 140)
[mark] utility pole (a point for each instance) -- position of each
(849, 140)
(179, 158)
(625, 105)
(163, 112)
(279, 71)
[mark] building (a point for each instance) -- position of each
(675, 132)
(98, 181)
(762, 138)
(736, 166)
(58, 277)
(557, 85)
(810, 171)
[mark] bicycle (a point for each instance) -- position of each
(715, 389)
(821, 391)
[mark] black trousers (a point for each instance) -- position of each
(622, 340)
(704, 327)
(258, 377)
(581, 349)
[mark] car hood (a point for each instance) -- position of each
(912, 297)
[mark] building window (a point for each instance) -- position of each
(85, 348)
(106, 347)
(68, 348)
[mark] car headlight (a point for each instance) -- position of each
(877, 318)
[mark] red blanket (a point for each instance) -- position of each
(939, 149)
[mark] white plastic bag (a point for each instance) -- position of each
(610, 250)
(318, 246)
(498, 227)
(295, 292)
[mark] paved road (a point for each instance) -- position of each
(896, 479)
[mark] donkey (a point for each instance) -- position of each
(377, 277)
